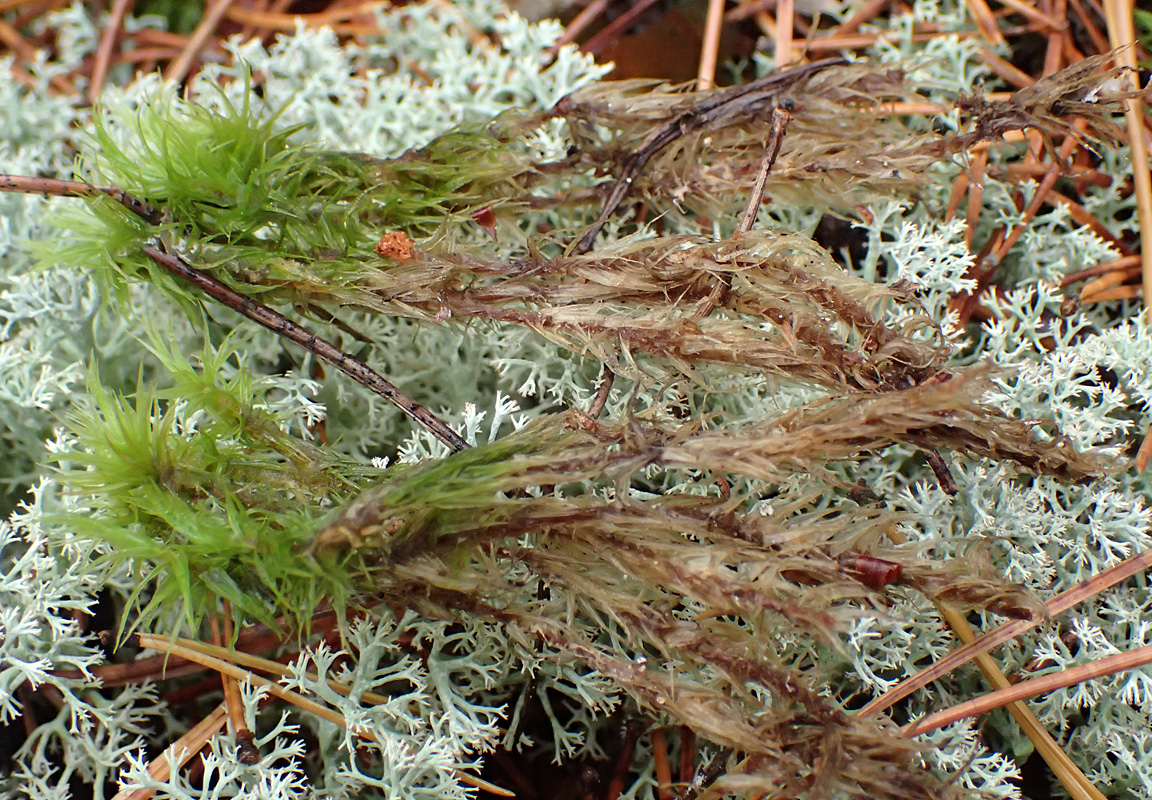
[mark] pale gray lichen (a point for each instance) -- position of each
(1096, 382)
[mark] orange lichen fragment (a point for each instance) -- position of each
(396, 245)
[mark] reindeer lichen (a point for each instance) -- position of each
(711, 553)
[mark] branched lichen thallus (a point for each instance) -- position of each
(705, 590)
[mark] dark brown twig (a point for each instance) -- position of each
(717, 108)
(941, 471)
(708, 773)
(282, 326)
(780, 119)
(26, 184)
(246, 306)
(607, 378)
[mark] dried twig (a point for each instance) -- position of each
(708, 773)
(62, 188)
(282, 326)
(716, 109)
(246, 306)
(780, 119)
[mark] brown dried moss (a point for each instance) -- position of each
(703, 592)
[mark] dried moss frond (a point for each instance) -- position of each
(716, 139)
(712, 590)
(1088, 90)
(690, 603)
(642, 307)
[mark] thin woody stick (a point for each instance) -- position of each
(322, 348)
(780, 119)
(25, 184)
(709, 111)
(607, 378)
(246, 306)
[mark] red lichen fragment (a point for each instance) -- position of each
(875, 573)
(486, 219)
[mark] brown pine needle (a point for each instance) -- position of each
(1070, 776)
(1144, 454)
(1031, 688)
(1081, 216)
(279, 21)
(975, 194)
(1127, 292)
(1122, 35)
(100, 66)
(617, 27)
(663, 765)
(785, 22)
(706, 75)
(1006, 70)
(1029, 10)
(1084, 590)
(1087, 21)
(26, 51)
(252, 662)
(287, 695)
(687, 753)
(985, 21)
(247, 753)
(959, 188)
(180, 752)
(766, 22)
(1041, 194)
(1090, 291)
(1121, 264)
(178, 70)
(860, 16)
(581, 21)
